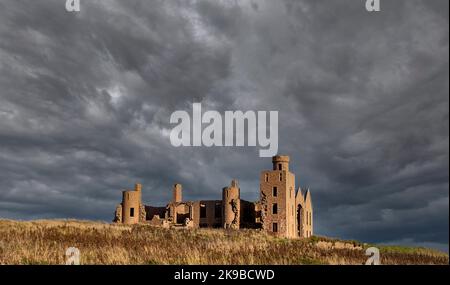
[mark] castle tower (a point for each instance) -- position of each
(131, 205)
(278, 213)
(280, 162)
(231, 202)
(177, 193)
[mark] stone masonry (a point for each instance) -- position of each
(281, 210)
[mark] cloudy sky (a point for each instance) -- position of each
(363, 102)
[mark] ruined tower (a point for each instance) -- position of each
(231, 202)
(131, 205)
(278, 213)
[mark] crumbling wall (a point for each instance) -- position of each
(118, 214)
(231, 204)
(142, 213)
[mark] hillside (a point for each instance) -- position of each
(45, 242)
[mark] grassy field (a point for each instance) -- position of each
(46, 241)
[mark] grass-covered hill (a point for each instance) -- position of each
(46, 241)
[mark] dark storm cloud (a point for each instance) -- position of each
(85, 102)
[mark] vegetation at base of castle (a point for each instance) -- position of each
(45, 242)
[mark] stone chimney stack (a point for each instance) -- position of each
(177, 193)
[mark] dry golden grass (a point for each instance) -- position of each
(45, 242)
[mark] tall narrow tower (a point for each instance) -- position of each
(278, 198)
(131, 205)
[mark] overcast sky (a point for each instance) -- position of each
(363, 102)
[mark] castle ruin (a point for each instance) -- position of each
(281, 210)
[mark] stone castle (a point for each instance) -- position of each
(281, 210)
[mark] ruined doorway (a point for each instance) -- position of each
(181, 218)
